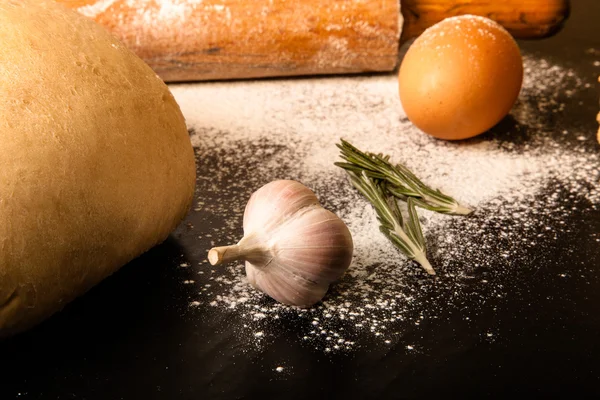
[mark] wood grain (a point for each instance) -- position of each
(228, 39)
(188, 40)
(525, 19)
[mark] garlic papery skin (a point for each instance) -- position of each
(293, 247)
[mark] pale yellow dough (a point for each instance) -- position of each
(96, 165)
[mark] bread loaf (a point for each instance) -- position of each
(96, 165)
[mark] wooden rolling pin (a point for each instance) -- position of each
(185, 40)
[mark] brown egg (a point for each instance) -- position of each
(460, 77)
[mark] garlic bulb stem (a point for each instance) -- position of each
(244, 250)
(224, 254)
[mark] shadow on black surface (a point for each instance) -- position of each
(114, 318)
(508, 130)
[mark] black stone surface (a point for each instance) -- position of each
(133, 336)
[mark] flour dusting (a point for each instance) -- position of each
(95, 9)
(524, 184)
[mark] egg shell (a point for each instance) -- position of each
(460, 77)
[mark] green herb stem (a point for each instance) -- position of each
(400, 181)
(406, 235)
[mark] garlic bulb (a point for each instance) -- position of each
(293, 247)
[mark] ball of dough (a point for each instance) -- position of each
(96, 165)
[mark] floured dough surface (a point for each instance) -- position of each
(96, 165)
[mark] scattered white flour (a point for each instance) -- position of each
(524, 183)
(94, 9)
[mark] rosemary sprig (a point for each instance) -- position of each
(400, 181)
(404, 234)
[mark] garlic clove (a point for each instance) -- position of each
(286, 287)
(314, 245)
(306, 253)
(293, 247)
(275, 202)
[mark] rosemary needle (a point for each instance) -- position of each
(405, 235)
(400, 181)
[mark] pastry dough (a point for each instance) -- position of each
(96, 165)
